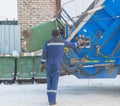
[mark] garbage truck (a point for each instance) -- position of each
(98, 56)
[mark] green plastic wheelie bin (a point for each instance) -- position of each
(7, 69)
(24, 69)
(39, 77)
(36, 36)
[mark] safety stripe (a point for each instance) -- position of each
(43, 60)
(51, 91)
(49, 44)
(76, 44)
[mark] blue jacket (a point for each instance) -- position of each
(53, 50)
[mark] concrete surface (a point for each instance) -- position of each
(71, 92)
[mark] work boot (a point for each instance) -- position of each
(52, 104)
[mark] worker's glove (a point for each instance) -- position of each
(42, 67)
(80, 42)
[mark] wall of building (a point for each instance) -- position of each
(32, 12)
(9, 38)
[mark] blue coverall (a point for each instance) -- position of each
(52, 54)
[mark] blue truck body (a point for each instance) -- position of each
(99, 55)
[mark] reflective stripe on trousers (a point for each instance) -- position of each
(52, 73)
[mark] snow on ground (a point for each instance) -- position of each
(71, 92)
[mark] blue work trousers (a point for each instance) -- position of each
(52, 73)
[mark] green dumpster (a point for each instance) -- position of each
(36, 36)
(7, 68)
(24, 68)
(38, 75)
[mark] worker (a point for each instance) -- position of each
(52, 57)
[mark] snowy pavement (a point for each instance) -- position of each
(71, 92)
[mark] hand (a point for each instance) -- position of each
(80, 42)
(42, 67)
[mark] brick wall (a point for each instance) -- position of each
(32, 12)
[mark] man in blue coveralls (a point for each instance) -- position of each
(52, 55)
